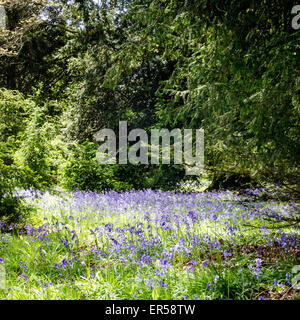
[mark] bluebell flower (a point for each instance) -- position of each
(209, 285)
(216, 279)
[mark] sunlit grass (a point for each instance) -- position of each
(147, 245)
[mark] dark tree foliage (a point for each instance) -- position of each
(230, 67)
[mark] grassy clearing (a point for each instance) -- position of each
(149, 245)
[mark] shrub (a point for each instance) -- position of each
(80, 170)
(14, 110)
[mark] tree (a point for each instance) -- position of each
(234, 75)
(29, 44)
(14, 109)
(21, 17)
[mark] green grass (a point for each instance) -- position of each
(181, 261)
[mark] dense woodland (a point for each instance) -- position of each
(73, 228)
(71, 67)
